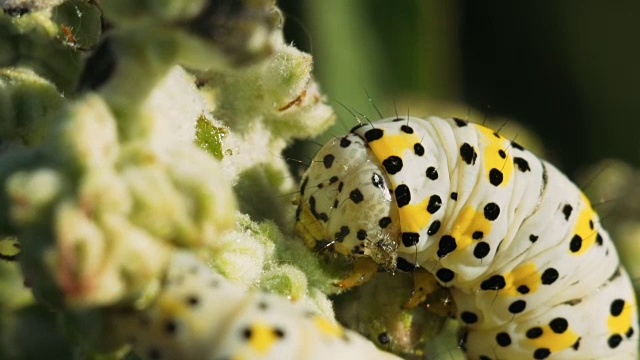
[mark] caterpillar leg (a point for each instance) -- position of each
(363, 271)
(427, 292)
(423, 284)
(602, 325)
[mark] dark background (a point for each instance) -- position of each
(569, 70)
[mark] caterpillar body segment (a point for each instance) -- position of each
(532, 272)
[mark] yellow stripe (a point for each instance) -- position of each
(524, 274)
(620, 324)
(262, 338)
(389, 145)
(414, 217)
(327, 327)
(552, 341)
(492, 159)
(582, 227)
(469, 221)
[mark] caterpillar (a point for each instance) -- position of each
(199, 314)
(521, 250)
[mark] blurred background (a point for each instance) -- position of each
(568, 71)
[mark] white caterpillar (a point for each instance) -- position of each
(199, 314)
(532, 272)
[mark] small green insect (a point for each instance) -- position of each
(520, 248)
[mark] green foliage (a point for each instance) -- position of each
(104, 187)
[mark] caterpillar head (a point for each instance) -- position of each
(345, 203)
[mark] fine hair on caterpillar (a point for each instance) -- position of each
(463, 207)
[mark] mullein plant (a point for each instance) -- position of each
(138, 137)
